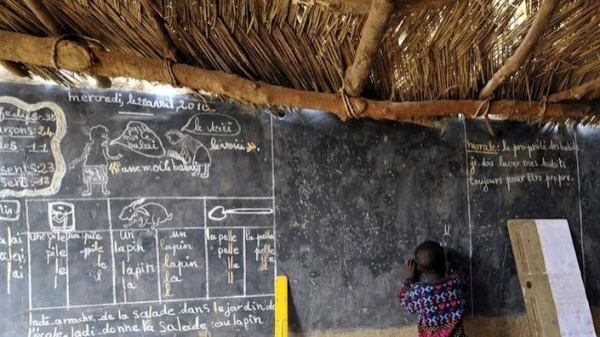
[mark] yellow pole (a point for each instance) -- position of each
(281, 306)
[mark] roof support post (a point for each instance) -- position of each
(541, 22)
(373, 31)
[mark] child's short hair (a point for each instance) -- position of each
(430, 257)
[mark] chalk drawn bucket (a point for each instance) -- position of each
(61, 217)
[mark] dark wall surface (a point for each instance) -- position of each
(193, 208)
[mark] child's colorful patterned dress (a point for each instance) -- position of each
(440, 305)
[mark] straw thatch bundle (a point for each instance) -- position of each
(449, 52)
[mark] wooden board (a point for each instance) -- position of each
(545, 257)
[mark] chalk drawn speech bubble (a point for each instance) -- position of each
(139, 138)
(212, 124)
(32, 164)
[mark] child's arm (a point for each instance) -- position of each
(86, 152)
(454, 271)
(404, 295)
(108, 156)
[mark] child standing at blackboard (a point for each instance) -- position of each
(437, 299)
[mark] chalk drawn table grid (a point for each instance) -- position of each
(248, 246)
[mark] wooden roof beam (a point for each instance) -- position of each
(362, 7)
(576, 93)
(372, 34)
(55, 28)
(541, 22)
(71, 56)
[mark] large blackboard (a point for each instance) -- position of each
(134, 214)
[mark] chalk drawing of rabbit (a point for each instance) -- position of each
(142, 214)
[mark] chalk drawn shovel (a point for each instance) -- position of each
(219, 213)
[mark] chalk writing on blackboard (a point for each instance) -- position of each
(139, 138)
(117, 99)
(30, 136)
(197, 318)
(512, 164)
(10, 210)
(212, 124)
(13, 257)
(155, 103)
(142, 213)
(95, 157)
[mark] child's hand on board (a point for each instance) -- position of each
(410, 267)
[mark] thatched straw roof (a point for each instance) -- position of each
(449, 52)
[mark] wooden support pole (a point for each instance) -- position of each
(36, 50)
(15, 68)
(541, 22)
(157, 17)
(576, 93)
(362, 7)
(55, 28)
(375, 27)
